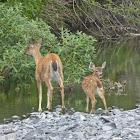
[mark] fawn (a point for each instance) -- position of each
(92, 85)
(48, 69)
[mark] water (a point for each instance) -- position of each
(122, 59)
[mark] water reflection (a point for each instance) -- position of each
(122, 65)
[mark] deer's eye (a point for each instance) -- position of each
(96, 71)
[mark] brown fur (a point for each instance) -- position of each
(43, 71)
(92, 85)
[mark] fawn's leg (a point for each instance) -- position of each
(39, 86)
(94, 101)
(87, 100)
(101, 94)
(50, 94)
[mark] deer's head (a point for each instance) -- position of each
(33, 47)
(97, 70)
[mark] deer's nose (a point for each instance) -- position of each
(100, 75)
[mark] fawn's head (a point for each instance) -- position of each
(33, 47)
(97, 70)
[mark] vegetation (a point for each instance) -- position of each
(29, 8)
(49, 20)
(16, 30)
(102, 18)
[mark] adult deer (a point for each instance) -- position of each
(92, 85)
(48, 69)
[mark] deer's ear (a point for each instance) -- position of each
(92, 66)
(40, 41)
(31, 43)
(103, 65)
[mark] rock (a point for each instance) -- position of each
(58, 108)
(11, 136)
(116, 132)
(6, 120)
(29, 126)
(47, 112)
(121, 109)
(32, 109)
(82, 118)
(15, 118)
(99, 111)
(47, 132)
(107, 128)
(114, 107)
(105, 136)
(51, 125)
(105, 119)
(138, 123)
(72, 127)
(55, 114)
(35, 115)
(54, 138)
(49, 116)
(15, 128)
(8, 131)
(137, 105)
(71, 111)
(130, 118)
(113, 125)
(117, 138)
(23, 116)
(80, 135)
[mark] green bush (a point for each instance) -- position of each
(30, 8)
(15, 33)
(75, 50)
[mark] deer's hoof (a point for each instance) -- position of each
(107, 114)
(39, 110)
(91, 112)
(63, 110)
(50, 110)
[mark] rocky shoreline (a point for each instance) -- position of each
(119, 125)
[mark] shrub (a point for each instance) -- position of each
(15, 33)
(75, 50)
(30, 8)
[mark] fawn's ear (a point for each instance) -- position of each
(92, 66)
(40, 41)
(31, 43)
(103, 65)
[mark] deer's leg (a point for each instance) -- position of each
(62, 94)
(101, 94)
(39, 86)
(93, 103)
(87, 100)
(50, 94)
(61, 73)
(61, 79)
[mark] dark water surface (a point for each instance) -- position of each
(123, 64)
